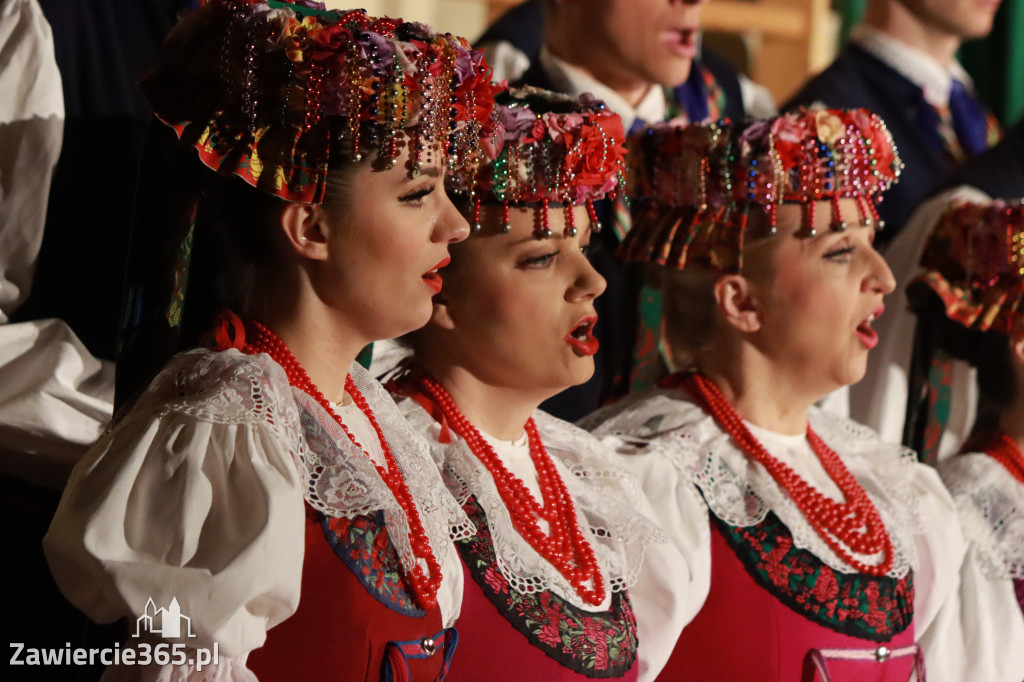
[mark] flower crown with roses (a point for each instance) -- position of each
(548, 148)
(974, 263)
(267, 90)
(695, 185)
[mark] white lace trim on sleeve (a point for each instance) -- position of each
(990, 504)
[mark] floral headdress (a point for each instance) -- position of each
(974, 262)
(548, 148)
(707, 178)
(268, 91)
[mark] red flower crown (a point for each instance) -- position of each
(267, 90)
(974, 262)
(710, 177)
(548, 148)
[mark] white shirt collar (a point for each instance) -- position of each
(574, 81)
(919, 68)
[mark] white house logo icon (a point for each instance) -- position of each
(163, 622)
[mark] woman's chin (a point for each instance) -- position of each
(415, 320)
(583, 371)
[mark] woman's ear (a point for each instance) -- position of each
(735, 299)
(303, 227)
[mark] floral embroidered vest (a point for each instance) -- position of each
(506, 635)
(777, 612)
(356, 620)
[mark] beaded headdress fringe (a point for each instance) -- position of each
(548, 149)
(695, 186)
(268, 91)
(974, 262)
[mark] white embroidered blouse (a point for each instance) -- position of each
(198, 493)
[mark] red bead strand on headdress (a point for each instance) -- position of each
(564, 546)
(595, 223)
(853, 523)
(1004, 450)
(424, 586)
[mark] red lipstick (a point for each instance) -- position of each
(867, 335)
(581, 338)
(432, 279)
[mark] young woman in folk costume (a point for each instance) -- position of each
(266, 482)
(559, 536)
(827, 546)
(970, 296)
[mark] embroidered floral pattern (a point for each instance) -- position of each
(853, 604)
(597, 645)
(364, 545)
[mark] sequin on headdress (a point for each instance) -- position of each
(548, 148)
(268, 91)
(974, 262)
(694, 186)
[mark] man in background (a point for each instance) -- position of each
(901, 64)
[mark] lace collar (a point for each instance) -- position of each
(607, 499)
(340, 481)
(990, 504)
(741, 492)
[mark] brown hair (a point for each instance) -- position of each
(688, 297)
(238, 242)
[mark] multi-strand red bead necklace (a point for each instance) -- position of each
(423, 585)
(564, 546)
(1004, 450)
(853, 523)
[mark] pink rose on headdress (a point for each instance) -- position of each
(464, 67)
(492, 143)
(562, 126)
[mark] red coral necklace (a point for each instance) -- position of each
(853, 523)
(564, 546)
(424, 585)
(1004, 450)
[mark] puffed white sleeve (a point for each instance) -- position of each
(168, 506)
(941, 549)
(978, 634)
(675, 576)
